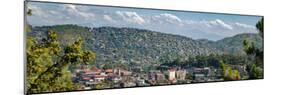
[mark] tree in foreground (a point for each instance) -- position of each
(228, 73)
(48, 62)
(255, 68)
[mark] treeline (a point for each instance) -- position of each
(212, 60)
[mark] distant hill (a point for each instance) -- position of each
(234, 45)
(140, 46)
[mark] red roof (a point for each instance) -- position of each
(99, 76)
(86, 78)
(108, 70)
(95, 69)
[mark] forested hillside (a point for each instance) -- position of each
(139, 46)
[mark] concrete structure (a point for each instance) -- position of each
(180, 74)
(172, 74)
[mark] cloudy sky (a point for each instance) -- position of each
(191, 24)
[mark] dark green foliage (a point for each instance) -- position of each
(47, 64)
(249, 48)
(29, 12)
(208, 61)
(259, 26)
(255, 55)
(108, 65)
(255, 72)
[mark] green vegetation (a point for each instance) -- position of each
(255, 72)
(228, 73)
(110, 65)
(29, 12)
(234, 45)
(259, 26)
(255, 55)
(47, 64)
(212, 60)
(130, 45)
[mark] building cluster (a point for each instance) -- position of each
(95, 78)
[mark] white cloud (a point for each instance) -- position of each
(244, 25)
(171, 17)
(108, 18)
(37, 11)
(41, 14)
(54, 12)
(78, 11)
(217, 23)
(167, 19)
(162, 22)
(132, 17)
(222, 23)
(69, 6)
(218, 27)
(63, 14)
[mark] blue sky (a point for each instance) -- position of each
(190, 24)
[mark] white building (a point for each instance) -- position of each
(172, 74)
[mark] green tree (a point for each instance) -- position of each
(108, 65)
(228, 73)
(223, 68)
(47, 64)
(259, 26)
(177, 62)
(29, 12)
(255, 55)
(255, 72)
(236, 75)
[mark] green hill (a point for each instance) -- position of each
(139, 46)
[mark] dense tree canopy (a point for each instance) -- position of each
(47, 64)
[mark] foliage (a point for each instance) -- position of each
(255, 69)
(108, 65)
(228, 73)
(130, 45)
(259, 26)
(234, 45)
(47, 64)
(255, 72)
(29, 12)
(212, 60)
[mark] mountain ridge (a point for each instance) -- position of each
(141, 46)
